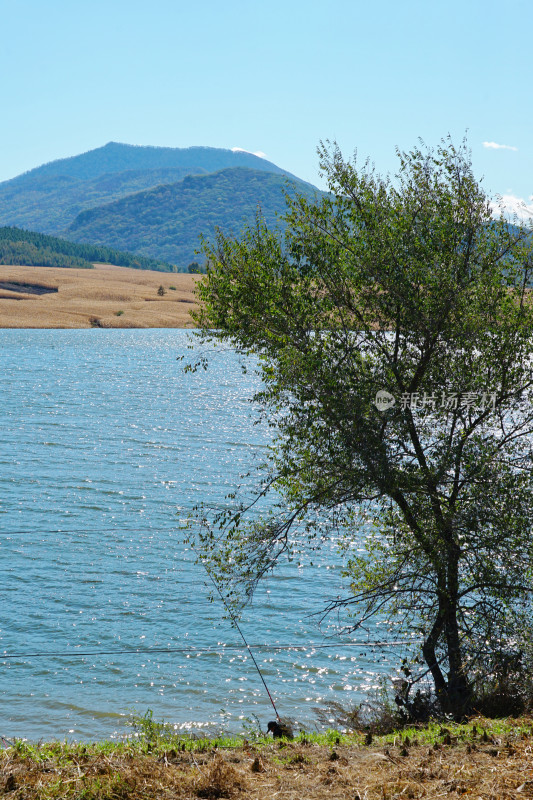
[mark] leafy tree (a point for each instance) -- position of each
(393, 325)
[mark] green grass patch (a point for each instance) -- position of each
(158, 738)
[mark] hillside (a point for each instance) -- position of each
(166, 222)
(19, 247)
(49, 197)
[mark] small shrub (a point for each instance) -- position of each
(173, 288)
(153, 734)
(380, 714)
(161, 291)
(508, 689)
(119, 313)
(376, 718)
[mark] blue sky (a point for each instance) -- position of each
(273, 77)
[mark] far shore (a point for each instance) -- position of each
(104, 297)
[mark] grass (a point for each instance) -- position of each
(482, 758)
(90, 298)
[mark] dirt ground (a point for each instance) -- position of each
(473, 765)
(105, 297)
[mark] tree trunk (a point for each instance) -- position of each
(459, 689)
(428, 650)
(454, 695)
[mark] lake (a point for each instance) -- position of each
(106, 446)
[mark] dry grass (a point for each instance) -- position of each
(106, 296)
(475, 761)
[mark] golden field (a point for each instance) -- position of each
(106, 297)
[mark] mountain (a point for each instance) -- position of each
(166, 222)
(48, 198)
(36, 249)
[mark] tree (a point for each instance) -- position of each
(393, 325)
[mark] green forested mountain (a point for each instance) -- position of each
(50, 203)
(166, 222)
(36, 249)
(152, 201)
(48, 198)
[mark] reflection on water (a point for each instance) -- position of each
(105, 446)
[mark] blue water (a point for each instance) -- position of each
(106, 445)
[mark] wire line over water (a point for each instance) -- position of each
(264, 648)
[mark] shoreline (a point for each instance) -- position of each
(486, 758)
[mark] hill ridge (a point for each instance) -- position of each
(121, 152)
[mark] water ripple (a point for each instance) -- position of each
(104, 438)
